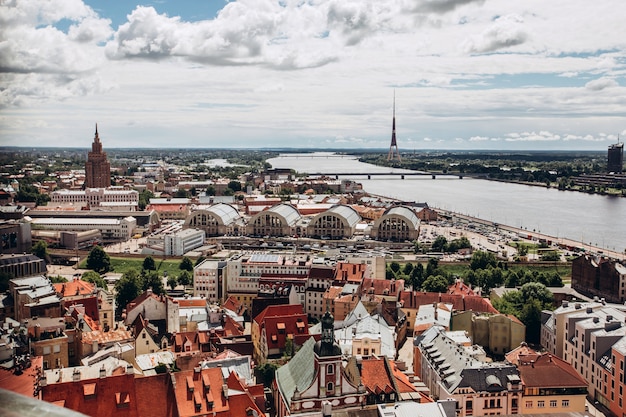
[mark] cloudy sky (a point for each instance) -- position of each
(466, 74)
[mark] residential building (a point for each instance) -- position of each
(385, 383)
(601, 277)
(319, 280)
(498, 333)
(453, 370)
(153, 308)
(274, 327)
(97, 167)
(49, 340)
(34, 296)
(550, 385)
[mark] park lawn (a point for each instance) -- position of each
(121, 265)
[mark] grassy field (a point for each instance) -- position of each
(121, 265)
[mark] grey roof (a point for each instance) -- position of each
(404, 212)
(457, 367)
(225, 212)
(240, 364)
(287, 211)
(298, 373)
(348, 213)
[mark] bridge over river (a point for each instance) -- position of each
(369, 175)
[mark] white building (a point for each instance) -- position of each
(95, 196)
(111, 229)
(179, 243)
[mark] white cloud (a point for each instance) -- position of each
(505, 32)
(601, 84)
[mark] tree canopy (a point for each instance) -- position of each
(149, 264)
(98, 260)
(40, 250)
(186, 264)
(94, 278)
(127, 288)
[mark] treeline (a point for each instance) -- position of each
(484, 271)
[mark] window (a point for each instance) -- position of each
(552, 403)
(56, 348)
(565, 403)
(366, 351)
(330, 389)
(330, 369)
(541, 404)
(529, 404)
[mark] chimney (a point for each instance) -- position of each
(76, 375)
(564, 303)
(225, 390)
(103, 372)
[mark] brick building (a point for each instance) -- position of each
(97, 167)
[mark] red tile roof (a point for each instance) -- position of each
(414, 299)
(548, 371)
(74, 288)
(25, 382)
(375, 377)
(382, 286)
(96, 397)
(233, 305)
(281, 322)
(350, 272)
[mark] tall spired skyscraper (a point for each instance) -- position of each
(393, 148)
(97, 167)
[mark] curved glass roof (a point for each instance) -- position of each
(405, 212)
(226, 212)
(347, 212)
(287, 211)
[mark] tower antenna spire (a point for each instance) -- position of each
(394, 153)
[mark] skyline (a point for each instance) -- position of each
(467, 74)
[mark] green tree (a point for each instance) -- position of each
(439, 245)
(40, 250)
(185, 278)
(234, 185)
(435, 283)
(127, 288)
(186, 264)
(98, 260)
(57, 279)
(152, 280)
(172, 282)
(182, 193)
(394, 266)
(531, 317)
(94, 278)
(481, 260)
(408, 268)
(432, 267)
(266, 373)
(149, 264)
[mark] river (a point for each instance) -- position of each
(593, 219)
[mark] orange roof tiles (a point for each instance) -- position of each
(24, 383)
(548, 371)
(74, 288)
(375, 377)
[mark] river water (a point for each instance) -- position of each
(593, 219)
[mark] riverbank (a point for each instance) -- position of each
(534, 236)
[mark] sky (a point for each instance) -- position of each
(464, 74)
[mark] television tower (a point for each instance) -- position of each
(394, 153)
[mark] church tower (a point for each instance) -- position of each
(97, 167)
(394, 153)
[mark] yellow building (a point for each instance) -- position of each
(499, 333)
(550, 385)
